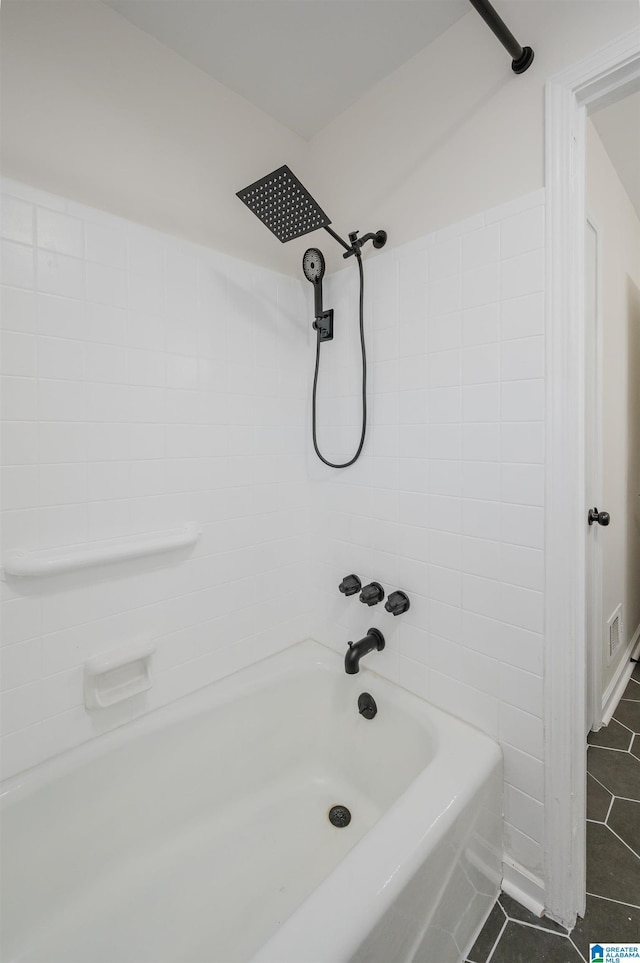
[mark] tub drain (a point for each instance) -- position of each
(339, 816)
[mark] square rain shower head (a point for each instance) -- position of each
(284, 205)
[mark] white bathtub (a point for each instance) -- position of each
(199, 834)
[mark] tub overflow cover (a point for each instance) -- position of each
(367, 705)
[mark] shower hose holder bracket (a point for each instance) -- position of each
(323, 324)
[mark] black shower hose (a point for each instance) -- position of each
(364, 381)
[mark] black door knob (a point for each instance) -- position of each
(602, 518)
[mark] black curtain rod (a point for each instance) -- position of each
(522, 56)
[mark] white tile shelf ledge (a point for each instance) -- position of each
(71, 558)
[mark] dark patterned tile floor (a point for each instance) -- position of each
(514, 935)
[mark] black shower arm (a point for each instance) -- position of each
(337, 237)
(522, 56)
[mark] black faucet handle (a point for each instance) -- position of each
(397, 603)
(372, 593)
(350, 584)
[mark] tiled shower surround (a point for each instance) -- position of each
(148, 383)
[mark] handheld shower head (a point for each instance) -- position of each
(313, 265)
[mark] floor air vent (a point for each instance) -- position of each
(614, 625)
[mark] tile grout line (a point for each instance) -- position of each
(609, 809)
(579, 952)
(500, 935)
(610, 748)
(533, 926)
(610, 900)
(601, 784)
(625, 798)
(632, 851)
(632, 731)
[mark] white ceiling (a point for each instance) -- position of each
(618, 126)
(301, 61)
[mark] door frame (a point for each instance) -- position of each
(600, 77)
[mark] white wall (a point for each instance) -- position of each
(618, 230)
(447, 501)
(454, 131)
(145, 383)
(117, 120)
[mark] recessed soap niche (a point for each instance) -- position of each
(118, 675)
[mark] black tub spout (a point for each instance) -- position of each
(373, 640)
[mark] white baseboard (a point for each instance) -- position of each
(618, 684)
(523, 886)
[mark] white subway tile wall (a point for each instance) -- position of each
(146, 383)
(455, 469)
